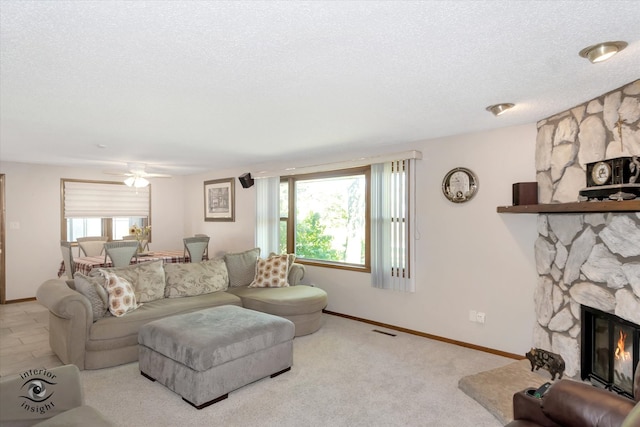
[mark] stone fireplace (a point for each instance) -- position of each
(590, 259)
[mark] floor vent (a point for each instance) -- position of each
(384, 333)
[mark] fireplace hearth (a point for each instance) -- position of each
(610, 350)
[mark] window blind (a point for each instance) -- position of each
(104, 200)
(392, 229)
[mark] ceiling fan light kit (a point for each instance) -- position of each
(136, 175)
(136, 181)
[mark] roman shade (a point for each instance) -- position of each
(104, 200)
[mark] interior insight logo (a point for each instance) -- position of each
(37, 390)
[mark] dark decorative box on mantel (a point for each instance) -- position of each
(525, 193)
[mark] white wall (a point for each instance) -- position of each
(33, 200)
(225, 236)
(469, 256)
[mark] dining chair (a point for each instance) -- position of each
(196, 247)
(206, 251)
(121, 252)
(91, 246)
(67, 257)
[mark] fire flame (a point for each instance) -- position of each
(620, 354)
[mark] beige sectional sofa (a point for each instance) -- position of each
(84, 333)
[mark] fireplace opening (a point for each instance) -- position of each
(610, 348)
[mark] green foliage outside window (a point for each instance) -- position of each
(311, 242)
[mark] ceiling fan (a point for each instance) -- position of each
(137, 175)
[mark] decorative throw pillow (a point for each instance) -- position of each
(291, 258)
(271, 272)
(242, 267)
(147, 279)
(92, 288)
(122, 299)
(190, 279)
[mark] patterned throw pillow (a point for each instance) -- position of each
(242, 267)
(291, 258)
(271, 272)
(92, 288)
(122, 299)
(190, 279)
(147, 279)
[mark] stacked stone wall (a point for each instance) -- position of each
(588, 259)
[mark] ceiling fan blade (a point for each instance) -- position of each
(155, 175)
(117, 172)
(136, 170)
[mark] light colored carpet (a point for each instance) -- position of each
(494, 389)
(343, 375)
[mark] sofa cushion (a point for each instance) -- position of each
(93, 289)
(122, 299)
(190, 279)
(147, 279)
(290, 301)
(124, 330)
(271, 272)
(242, 267)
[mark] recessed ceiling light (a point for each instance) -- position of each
(602, 51)
(101, 146)
(499, 108)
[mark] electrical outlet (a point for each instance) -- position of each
(481, 317)
(473, 316)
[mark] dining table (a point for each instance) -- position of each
(85, 264)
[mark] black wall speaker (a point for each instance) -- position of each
(246, 180)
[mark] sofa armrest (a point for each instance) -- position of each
(576, 404)
(526, 407)
(59, 298)
(70, 317)
(296, 274)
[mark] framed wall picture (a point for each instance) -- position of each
(219, 200)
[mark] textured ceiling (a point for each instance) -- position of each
(189, 86)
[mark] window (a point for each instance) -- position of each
(324, 218)
(102, 208)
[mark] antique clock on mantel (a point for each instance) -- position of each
(616, 179)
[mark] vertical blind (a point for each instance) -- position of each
(392, 245)
(268, 215)
(104, 200)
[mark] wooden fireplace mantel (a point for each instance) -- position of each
(575, 207)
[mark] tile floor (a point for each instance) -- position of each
(24, 338)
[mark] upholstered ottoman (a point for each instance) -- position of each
(302, 304)
(204, 355)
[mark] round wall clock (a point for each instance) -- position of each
(460, 185)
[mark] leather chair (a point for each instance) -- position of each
(569, 403)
